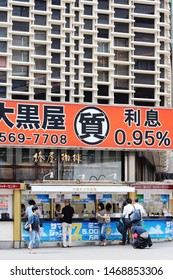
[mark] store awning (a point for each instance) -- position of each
(80, 189)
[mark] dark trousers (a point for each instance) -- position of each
(141, 242)
(128, 228)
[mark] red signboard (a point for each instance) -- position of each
(9, 186)
(41, 124)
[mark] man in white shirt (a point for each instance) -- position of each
(128, 209)
(141, 208)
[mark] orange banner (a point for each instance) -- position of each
(84, 126)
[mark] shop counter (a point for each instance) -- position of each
(86, 229)
(6, 233)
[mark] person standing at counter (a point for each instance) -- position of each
(57, 210)
(29, 211)
(34, 228)
(128, 209)
(138, 206)
(67, 214)
(103, 218)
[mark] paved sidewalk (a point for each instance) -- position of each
(159, 251)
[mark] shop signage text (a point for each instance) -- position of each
(84, 126)
(9, 186)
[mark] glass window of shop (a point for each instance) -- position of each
(22, 164)
(91, 165)
(27, 164)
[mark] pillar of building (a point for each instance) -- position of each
(17, 219)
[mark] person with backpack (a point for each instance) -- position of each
(34, 229)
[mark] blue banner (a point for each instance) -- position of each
(89, 231)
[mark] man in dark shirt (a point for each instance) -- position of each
(67, 214)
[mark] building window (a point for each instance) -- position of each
(3, 16)
(3, 77)
(144, 37)
(56, 29)
(144, 9)
(121, 70)
(103, 90)
(144, 22)
(121, 27)
(103, 4)
(3, 47)
(55, 58)
(55, 43)
(39, 79)
(144, 79)
(20, 85)
(40, 64)
(40, 49)
(39, 94)
(3, 92)
(103, 33)
(87, 67)
(103, 76)
(145, 65)
(88, 10)
(88, 24)
(20, 56)
(103, 19)
(55, 87)
(67, 66)
(40, 35)
(22, 41)
(40, 5)
(20, 70)
(20, 11)
(121, 84)
(20, 26)
(121, 98)
(3, 61)
(88, 82)
(88, 39)
(103, 61)
(121, 55)
(40, 20)
(56, 73)
(121, 13)
(88, 53)
(144, 51)
(121, 42)
(56, 14)
(103, 47)
(3, 32)
(3, 3)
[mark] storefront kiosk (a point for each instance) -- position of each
(84, 227)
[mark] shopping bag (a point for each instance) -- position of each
(107, 219)
(26, 226)
(135, 216)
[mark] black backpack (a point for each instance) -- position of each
(121, 227)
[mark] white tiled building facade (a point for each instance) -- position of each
(99, 51)
(92, 51)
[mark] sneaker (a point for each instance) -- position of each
(104, 243)
(149, 245)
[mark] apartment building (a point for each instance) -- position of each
(97, 52)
